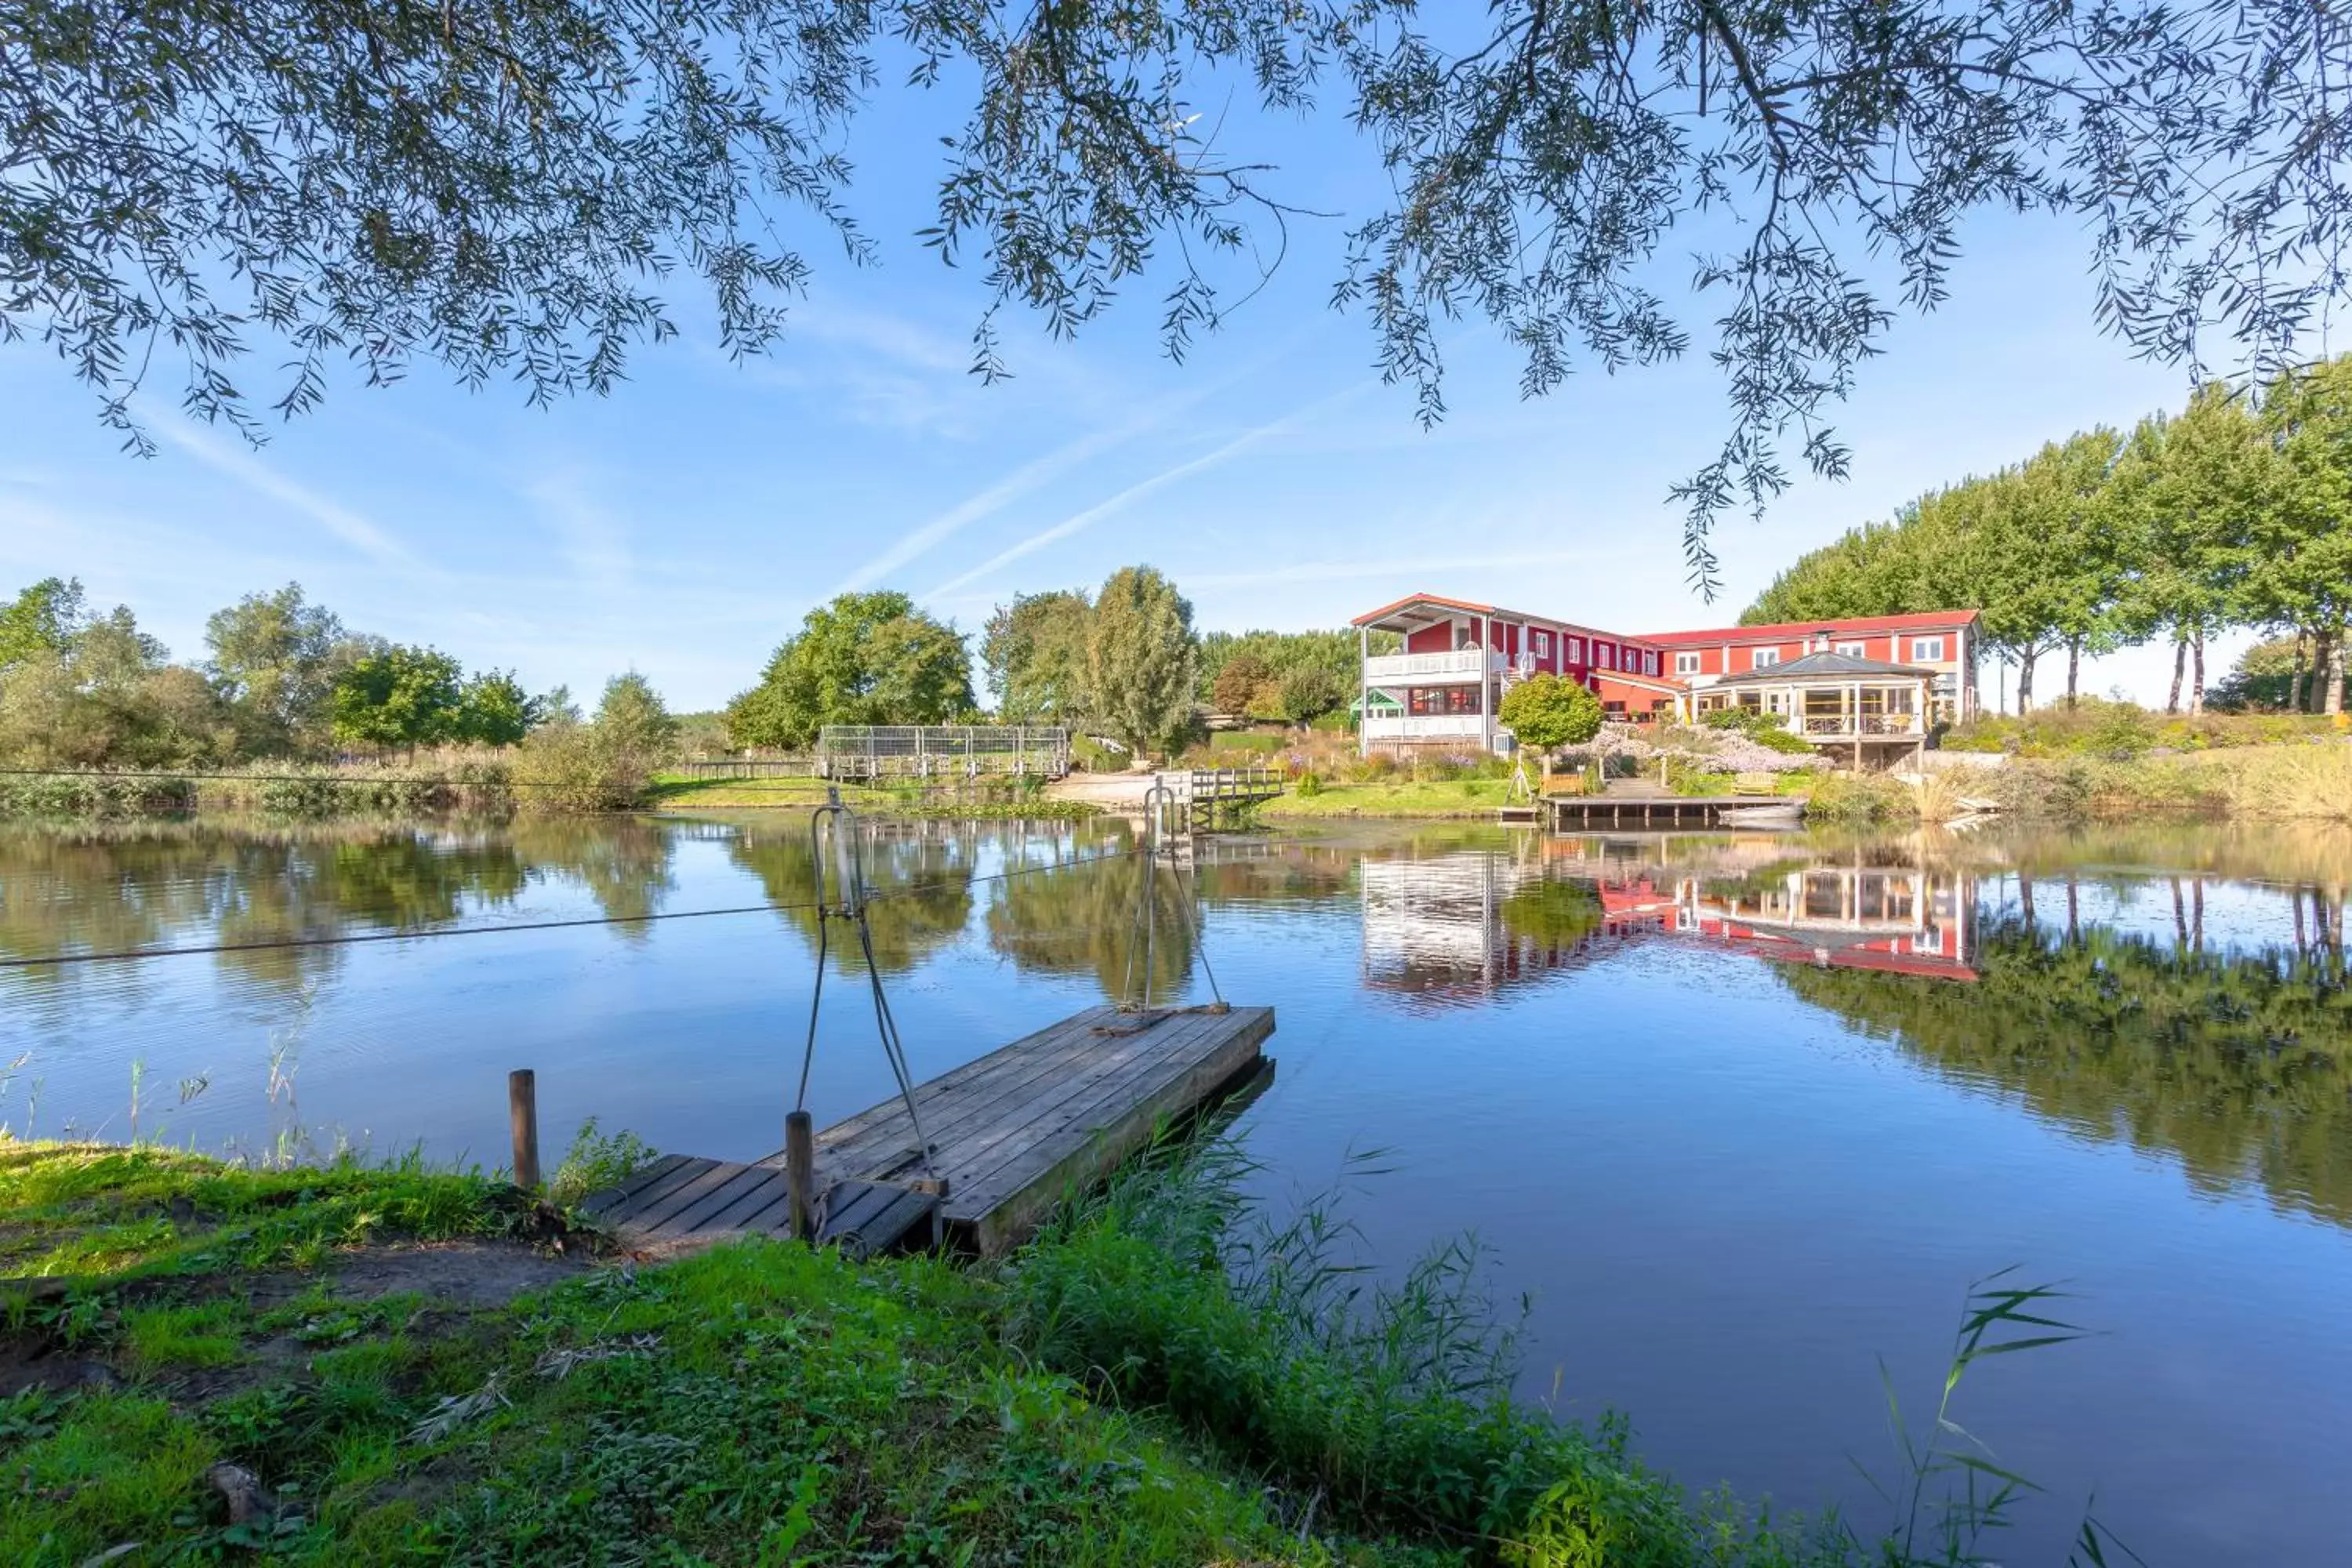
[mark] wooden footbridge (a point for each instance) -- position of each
(1013, 1134)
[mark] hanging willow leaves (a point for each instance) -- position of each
(505, 188)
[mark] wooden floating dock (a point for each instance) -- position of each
(1571, 812)
(1011, 1135)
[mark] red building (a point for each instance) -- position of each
(1443, 686)
(1941, 641)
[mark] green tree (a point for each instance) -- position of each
(2301, 571)
(1141, 658)
(42, 619)
(1035, 653)
(1308, 692)
(108, 699)
(1236, 685)
(633, 716)
(864, 658)
(1548, 711)
(398, 698)
(493, 709)
(2188, 489)
(274, 657)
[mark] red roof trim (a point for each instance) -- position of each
(1780, 631)
(1541, 623)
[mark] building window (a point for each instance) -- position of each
(1542, 644)
(1928, 648)
(1650, 661)
(1604, 656)
(1427, 702)
(1571, 650)
(1686, 663)
(1764, 659)
(1854, 649)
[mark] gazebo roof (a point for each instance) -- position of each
(1826, 667)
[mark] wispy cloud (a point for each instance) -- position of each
(1080, 521)
(1379, 565)
(255, 475)
(591, 539)
(1024, 481)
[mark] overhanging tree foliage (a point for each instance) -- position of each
(509, 189)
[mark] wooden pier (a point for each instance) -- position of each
(1011, 1135)
(1573, 812)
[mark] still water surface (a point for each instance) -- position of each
(1739, 1117)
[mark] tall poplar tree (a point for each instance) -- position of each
(1142, 658)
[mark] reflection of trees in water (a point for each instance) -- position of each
(622, 862)
(1086, 920)
(922, 882)
(2239, 1064)
(1555, 914)
(108, 886)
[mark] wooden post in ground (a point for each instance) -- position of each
(522, 1119)
(800, 1173)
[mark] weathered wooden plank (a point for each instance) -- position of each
(693, 1216)
(885, 1132)
(1119, 1062)
(1073, 1118)
(651, 1214)
(652, 1192)
(635, 1183)
(956, 1077)
(1104, 1060)
(1063, 1164)
(949, 1111)
(765, 1210)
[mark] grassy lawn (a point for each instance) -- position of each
(1437, 798)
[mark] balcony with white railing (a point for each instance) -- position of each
(1424, 727)
(1430, 669)
(1867, 726)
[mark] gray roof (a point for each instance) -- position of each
(1826, 667)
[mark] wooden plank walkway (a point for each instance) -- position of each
(681, 1198)
(1011, 1132)
(1575, 811)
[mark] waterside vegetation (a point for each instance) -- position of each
(204, 1358)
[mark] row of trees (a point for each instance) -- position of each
(1289, 676)
(282, 678)
(1124, 660)
(2235, 512)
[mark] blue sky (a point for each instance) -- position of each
(683, 525)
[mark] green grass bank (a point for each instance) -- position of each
(345, 1364)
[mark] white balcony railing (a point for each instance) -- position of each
(1430, 669)
(1820, 725)
(1424, 727)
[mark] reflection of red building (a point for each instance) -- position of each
(1435, 929)
(1896, 920)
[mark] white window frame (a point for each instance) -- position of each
(1650, 661)
(1852, 650)
(1688, 663)
(1571, 650)
(1763, 658)
(1604, 656)
(1541, 643)
(1930, 649)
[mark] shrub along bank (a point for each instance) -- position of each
(202, 1360)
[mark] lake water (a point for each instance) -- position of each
(1741, 1117)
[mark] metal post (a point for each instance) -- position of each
(522, 1121)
